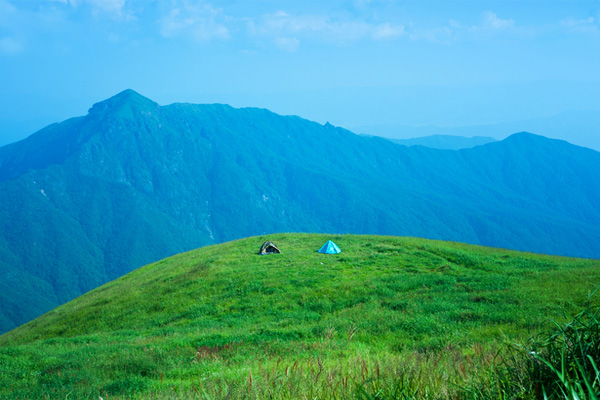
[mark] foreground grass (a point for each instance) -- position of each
(387, 318)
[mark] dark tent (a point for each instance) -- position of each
(268, 248)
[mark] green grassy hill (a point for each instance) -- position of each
(223, 320)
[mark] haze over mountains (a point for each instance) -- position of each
(91, 198)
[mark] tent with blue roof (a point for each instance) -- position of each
(330, 248)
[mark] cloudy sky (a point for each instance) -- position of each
(367, 65)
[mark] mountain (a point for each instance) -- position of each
(580, 126)
(208, 320)
(91, 198)
(447, 142)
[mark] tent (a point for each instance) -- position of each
(268, 248)
(330, 248)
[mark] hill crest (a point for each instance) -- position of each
(162, 295)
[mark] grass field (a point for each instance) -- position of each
(389, 317)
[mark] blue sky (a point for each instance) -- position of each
(372, 66)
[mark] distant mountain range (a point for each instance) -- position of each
(582, 127)
(91, 198)
(447, 142)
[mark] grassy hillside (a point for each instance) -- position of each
(223, 320)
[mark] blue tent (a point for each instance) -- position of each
(330, 248)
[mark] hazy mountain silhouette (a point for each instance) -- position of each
(447, 142)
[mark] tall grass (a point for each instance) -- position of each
(413, 375)
(561, 363)
(565, 364)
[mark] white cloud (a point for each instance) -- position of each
(7, 12)
(11, 29)
(10, 46)
(201, 22)
(172, 24)
(454, 24)
(491, 20)
(113, 37)
(387, 31)
(347, 31)
(204, 32)
(572, 22)
(287, 43)
(585, 26)
(491, 24)
(281, 21)
(365, 4)
(444, 34)
(114, 7)
(321, 27)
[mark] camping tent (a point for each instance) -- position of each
(268, 248)
(330, 248)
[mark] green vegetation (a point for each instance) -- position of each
(565, 364)
(92, 198)
(389, 317)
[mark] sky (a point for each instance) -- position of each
(371, 66)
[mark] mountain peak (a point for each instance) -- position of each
(128, 98)
(524, 135)
(530, 139)
(129, 94)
